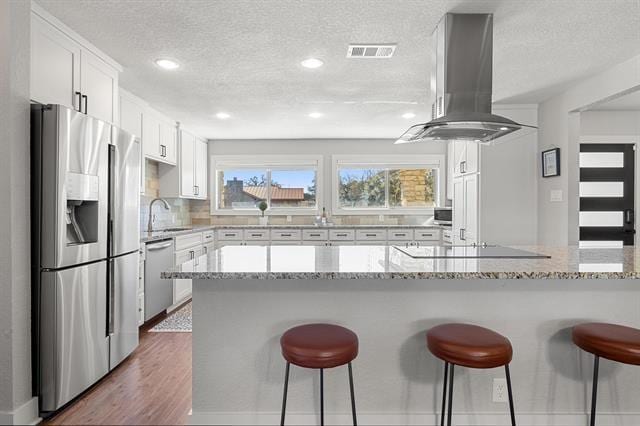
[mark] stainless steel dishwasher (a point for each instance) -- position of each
(158, 293)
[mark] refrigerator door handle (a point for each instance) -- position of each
(111, 299)
(86, 104)
(79, 102)
(113, 155)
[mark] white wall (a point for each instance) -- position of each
(16, 404)
(324, 147)
(610, 123)
(559, 126)
(508, 182)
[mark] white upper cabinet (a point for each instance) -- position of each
(465, 157)
(169, 141)
(187, 164)
(201, 167)
(55, 66)
(131, 111)
(159, 137)
(189, 179)
(99, 88)
(68, 70)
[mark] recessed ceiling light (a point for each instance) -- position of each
(312, 63)
(167, 64)
(504, 128)
(222, 115)
(316, 114)
(408, 115)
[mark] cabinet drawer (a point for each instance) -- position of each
(229, 235)
(447, 236)
(207, 237)
(285, 234)
(426, 234)
(183, 256)
(341, 235)
(371, 234)
(187, 241)
(400, 235)
(256, 235)
(315, 235)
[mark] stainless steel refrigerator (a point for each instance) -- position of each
(85, 239)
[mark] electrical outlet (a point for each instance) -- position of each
(500, 390)
(381, 218)
(289, 218)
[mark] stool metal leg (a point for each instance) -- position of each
(450, 394)
(444, 392)
(510, 391)
(353, 397)
(322, 396)
(284, 396)
(594, 391)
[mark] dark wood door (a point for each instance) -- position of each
(607, 193)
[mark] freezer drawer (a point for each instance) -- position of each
(158, 293)
(123, 324)
(73, 350)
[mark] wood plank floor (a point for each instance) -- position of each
(151, 387)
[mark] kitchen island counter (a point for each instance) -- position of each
(387, 262)
(245, 297)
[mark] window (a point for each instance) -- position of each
(383, 184)
(287, 185)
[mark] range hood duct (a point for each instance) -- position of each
(461, 84)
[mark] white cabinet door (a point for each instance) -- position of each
(99, 87)
(472, 154)
(459, 149)
(187, 166)
(201, 167)
(131, 119)
(131, 115)
(151, 135)
(471, 209)
(55, 66)
(168, 142)
(450, 169)
(458, 214)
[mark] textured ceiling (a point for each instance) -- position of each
(242, 57)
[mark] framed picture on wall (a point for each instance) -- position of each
(551, 162)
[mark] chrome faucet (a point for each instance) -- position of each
(166, 206)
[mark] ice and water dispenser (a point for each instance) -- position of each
(82, 214)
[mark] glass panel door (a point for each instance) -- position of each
(607, 194)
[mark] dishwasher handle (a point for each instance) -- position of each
(152, 247)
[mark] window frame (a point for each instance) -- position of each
(268, 162)
(387, 162)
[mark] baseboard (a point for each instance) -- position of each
(26, 414)
(423, 419)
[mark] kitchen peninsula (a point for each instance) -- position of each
(245, 297)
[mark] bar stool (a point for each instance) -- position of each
(319, 346)
(610, 341)
(469, 346)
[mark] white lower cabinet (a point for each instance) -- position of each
(187, 247)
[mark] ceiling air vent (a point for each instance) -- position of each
(371, 51)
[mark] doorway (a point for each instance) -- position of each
(607, 200)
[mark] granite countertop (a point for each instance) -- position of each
(161, 235)
(386, 262)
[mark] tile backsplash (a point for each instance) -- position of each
(197, 212)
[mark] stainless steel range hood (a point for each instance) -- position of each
(461, 84)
